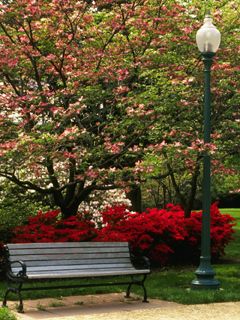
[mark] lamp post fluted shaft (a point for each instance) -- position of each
(205, 273)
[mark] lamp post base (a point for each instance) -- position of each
(205, 284)
(205, 276)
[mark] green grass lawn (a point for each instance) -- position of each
(173, 283)
(233, 249)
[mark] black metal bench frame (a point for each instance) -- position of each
(16, 281)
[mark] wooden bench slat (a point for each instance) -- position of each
(88, 273)
(67, 250)
(69, 256)
(74, 267)
(67, 245)
(76, 261)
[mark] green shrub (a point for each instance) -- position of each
(5, 314)
(16, 205)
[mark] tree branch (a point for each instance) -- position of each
(27, 185)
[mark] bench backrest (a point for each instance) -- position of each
(70, 255)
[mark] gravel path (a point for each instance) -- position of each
(115, 307)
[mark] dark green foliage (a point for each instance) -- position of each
(16, 205)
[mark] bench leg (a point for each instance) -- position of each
(20, 306)
(145, 293)
(140, 283)
(18, 292)
(4, 304)
(128, 290)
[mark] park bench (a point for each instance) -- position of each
(30, 262)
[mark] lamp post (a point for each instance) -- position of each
(208, 40)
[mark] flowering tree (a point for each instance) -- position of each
(90, 87)
(71, 114)
(175, 157)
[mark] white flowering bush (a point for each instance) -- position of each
(100, 200)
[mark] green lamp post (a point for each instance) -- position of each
(208, 40)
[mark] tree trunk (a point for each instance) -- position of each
(188, 200)
(187, 212)
(68, 211)
(135, 196)
(69, 204)
(164, 196)
(192, 194)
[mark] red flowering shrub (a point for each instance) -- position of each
(152, 232)
(49, 227)
(113, 215)
(221, 234)
(163, 235)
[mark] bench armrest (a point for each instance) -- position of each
(21, 275)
